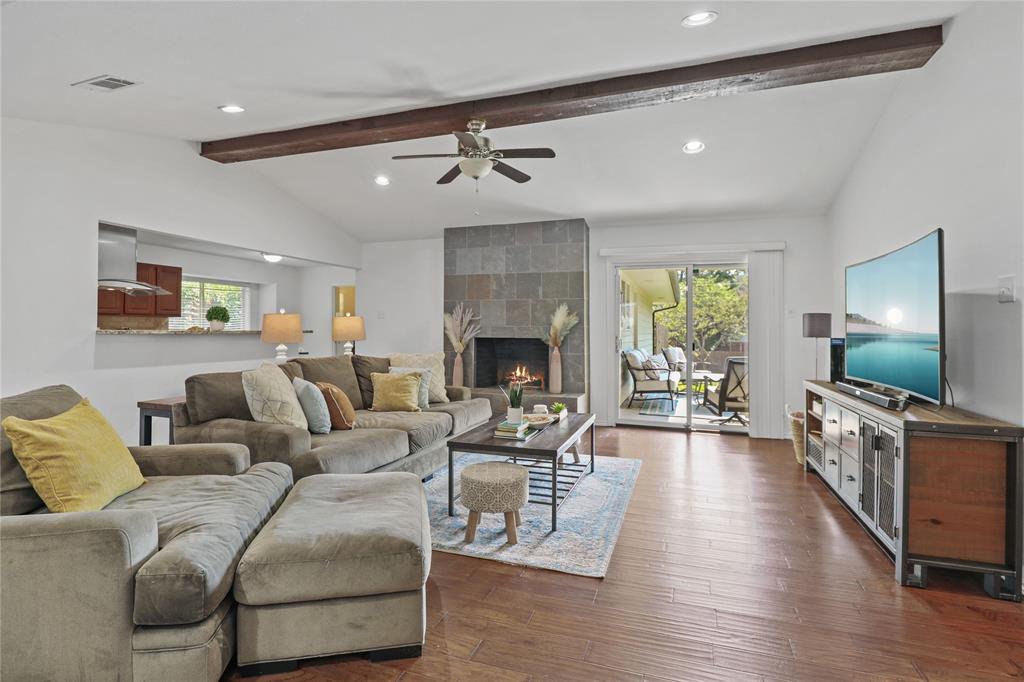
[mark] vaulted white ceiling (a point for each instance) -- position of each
(294, 63)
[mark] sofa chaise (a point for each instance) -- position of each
(215, 411)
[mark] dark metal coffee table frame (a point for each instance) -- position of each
(551, 480)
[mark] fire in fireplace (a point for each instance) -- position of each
(499, 360)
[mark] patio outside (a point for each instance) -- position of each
(653, 304)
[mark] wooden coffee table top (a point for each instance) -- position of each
(551, 442)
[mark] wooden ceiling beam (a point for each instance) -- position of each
(881, 53)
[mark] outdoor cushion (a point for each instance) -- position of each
(16, 493)
(352, 452)
(340, 536)
(365, 365)
(204, 524)
(334, 369)
(465, 414)
(635, 358)
(217, 395)
(423, 428)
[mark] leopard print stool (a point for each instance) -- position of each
(495, 488)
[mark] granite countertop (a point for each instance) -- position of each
(166, 332)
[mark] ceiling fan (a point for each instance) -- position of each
(478, 158)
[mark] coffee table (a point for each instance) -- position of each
(551, 480)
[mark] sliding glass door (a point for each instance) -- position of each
(682, 346)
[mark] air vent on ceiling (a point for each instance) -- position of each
(104, 83)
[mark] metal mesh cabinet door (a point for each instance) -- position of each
(887, 483)
(868, 477)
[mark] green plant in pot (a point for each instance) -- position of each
(559, 410)
(514, 396)
(217, 316)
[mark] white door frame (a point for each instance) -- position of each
(659, 257)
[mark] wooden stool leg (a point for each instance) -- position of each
(474, 518)
(519, 519)
(510, 528)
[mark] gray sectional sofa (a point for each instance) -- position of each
(215, 411)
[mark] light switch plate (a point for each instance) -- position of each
(1007, 291)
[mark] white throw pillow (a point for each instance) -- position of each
(271, 397)
(432, 361)
(425, 374)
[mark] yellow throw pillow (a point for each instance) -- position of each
(74, 461)
(395, 392)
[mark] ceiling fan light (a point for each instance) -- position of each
(476, 168)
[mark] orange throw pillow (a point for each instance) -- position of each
(343, 415)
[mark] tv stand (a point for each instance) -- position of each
(942, 489)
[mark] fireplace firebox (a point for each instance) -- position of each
(499, 360)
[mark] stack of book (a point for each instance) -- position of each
(511, 431)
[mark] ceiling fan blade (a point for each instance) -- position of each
(467, 139)
(426, 156)
(527, 153)
(450, 175)
(510, 172)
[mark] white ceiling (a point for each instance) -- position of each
(293, 63)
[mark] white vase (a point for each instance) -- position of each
(216, 326)
(514, 415)
(555, 371)
(457, 370)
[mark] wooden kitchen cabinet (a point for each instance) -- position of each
(165, 276)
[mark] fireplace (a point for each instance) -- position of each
(499, 360)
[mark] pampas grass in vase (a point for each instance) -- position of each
(460, 328)
(562, 322)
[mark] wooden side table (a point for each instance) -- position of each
(159, 407)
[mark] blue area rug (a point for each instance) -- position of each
(588, 521)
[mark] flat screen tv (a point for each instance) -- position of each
(895, 320)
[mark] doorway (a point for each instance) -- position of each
(682, 341)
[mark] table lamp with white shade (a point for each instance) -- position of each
(348, 328)
(281, 328)
(817, 326)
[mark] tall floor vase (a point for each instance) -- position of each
(457, 377)
(555, 370)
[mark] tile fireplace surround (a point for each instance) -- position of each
(513, 277)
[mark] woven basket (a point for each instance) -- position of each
(796, 423)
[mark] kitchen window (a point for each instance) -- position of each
(198, 295)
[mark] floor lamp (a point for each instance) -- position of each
(817, 326)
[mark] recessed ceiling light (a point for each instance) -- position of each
(699, 18)
(272, 257)
(231, 109)
(693, 147)
(382, 180)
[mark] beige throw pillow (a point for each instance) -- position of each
(271, 397)
(432, 361)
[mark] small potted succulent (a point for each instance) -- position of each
(560, 411)
(217, 316)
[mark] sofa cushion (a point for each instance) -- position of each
(340, 536)
(432, 361)
(318, 416)
(75, 460)
(204, 524)
(340, 413)
(352, 452)
(365, 365)
(465, 414)
(271, 397)
(217, 395)
(422, 428)
(16, 493)
(396, 392)
(337, 370)
(423, 397)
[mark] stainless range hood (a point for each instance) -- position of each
(118, 271)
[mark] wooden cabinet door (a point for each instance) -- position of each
(142, 305)
(109, 302)
(169, 277)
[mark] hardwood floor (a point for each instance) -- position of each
(732, 564)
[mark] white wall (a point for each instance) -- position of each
(947, 152)
(400, 293)
(317, 304)
(807, 287)
(58, 183)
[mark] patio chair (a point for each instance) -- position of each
(676, 359)
(649, 379)
(731, 395)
